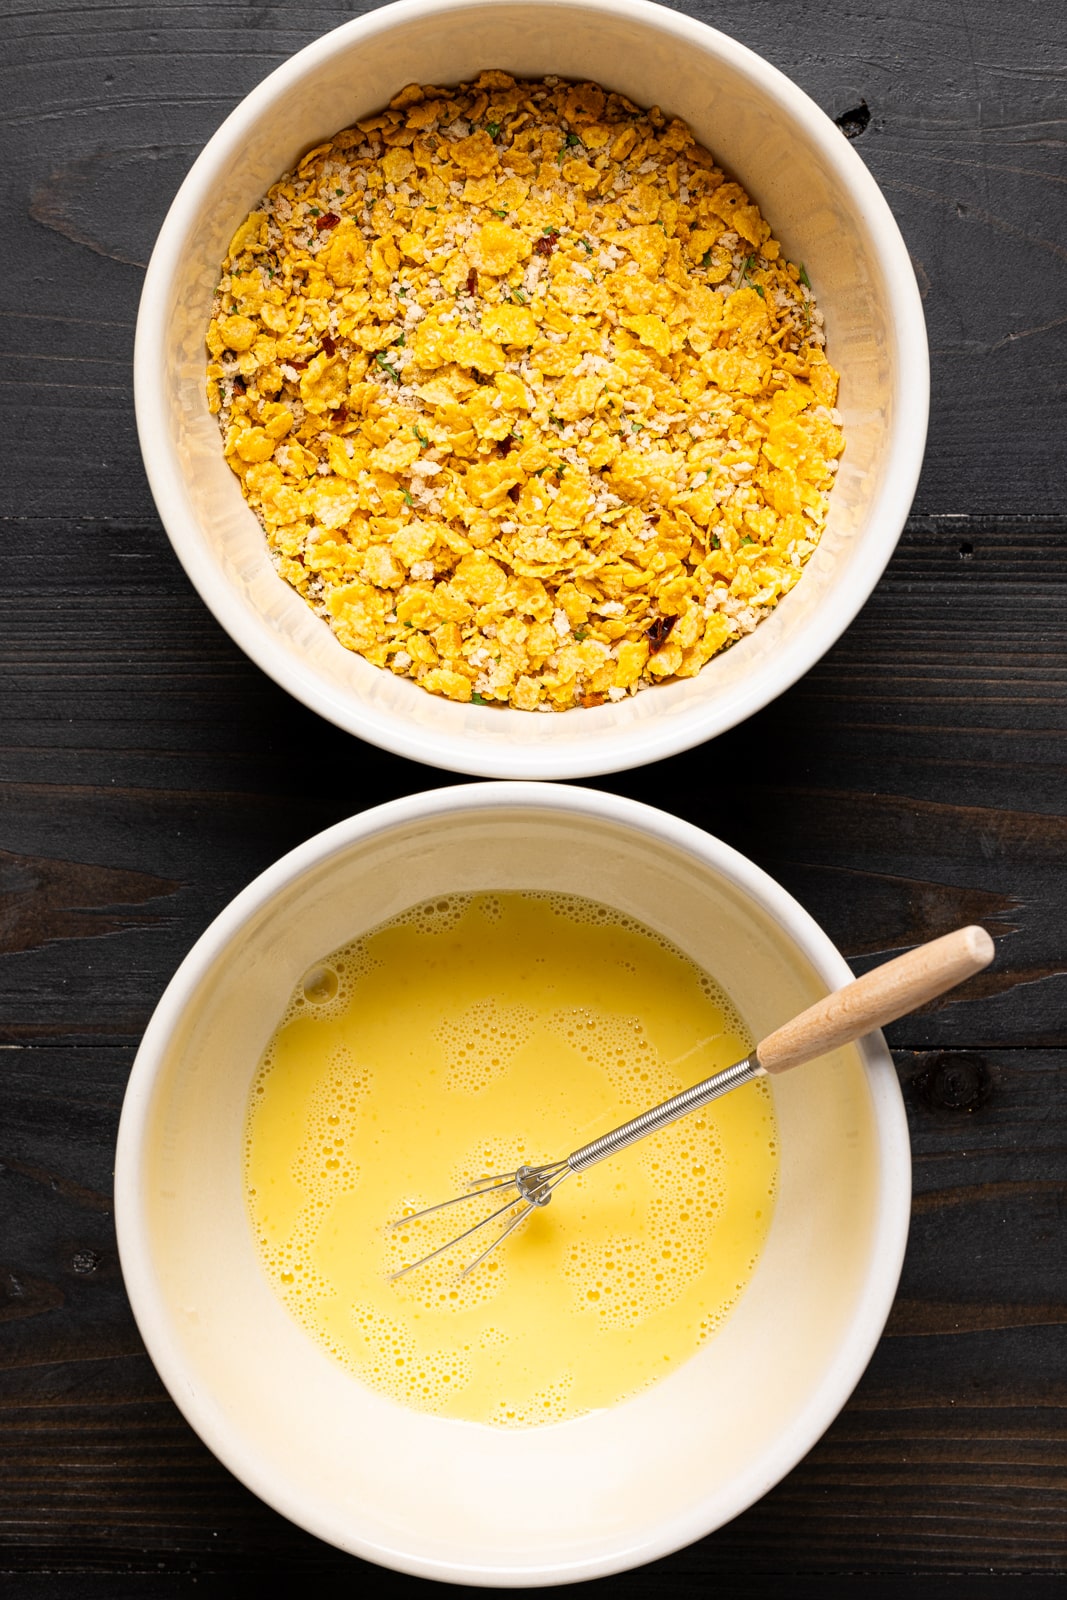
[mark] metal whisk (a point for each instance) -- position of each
(880, 996)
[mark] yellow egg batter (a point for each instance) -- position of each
(469, 1035)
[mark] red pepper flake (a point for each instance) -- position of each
(547, 243)
(293, 362)
(239, 385)
(472, 282)
(659, 632)
(328, 220)
(514, 492)
(329, 345)
(341, 414)
(593, 699)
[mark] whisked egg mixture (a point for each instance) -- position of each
(469, 1035)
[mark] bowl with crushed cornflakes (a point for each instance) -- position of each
(535, 391)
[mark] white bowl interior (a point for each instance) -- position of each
(821, 203)
(457, 1500)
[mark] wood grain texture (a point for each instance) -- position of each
(913, 781)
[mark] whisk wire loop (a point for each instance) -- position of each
(533, 1188)
(545, 1190)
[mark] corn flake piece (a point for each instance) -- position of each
(510, 325)
(470, 349)
(647, 246)
(254, 444)
(476, 155)
(453, 685)
(498, 248)
(346, 255)
(324, 384)
(515, 395)
(396, 455)
(397, 165)
(332, 502)
(652, 331)
(238, 333)
(249, 235)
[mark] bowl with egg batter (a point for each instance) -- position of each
(833, 226)
(437, 988)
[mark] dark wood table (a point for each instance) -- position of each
(914, 780)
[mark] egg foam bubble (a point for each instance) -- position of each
(467, 1036)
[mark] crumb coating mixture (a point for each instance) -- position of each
(527, 399)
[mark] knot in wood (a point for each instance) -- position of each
(954, 1082)
(853, 123)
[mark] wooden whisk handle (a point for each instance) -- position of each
(880, 996)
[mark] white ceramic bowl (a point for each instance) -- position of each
(453, 1500)
(821, 202)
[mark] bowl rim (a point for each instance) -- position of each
(892, 1203)
(630, 744)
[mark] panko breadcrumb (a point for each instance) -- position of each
(530, 404)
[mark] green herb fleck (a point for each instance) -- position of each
(399, 340)
(315, 212)
(586, 246)
(408, 501)
(746, 263)
(705, 260)
(581, 635)
(759, 290)
(746, 538)
(547, 231)
(518, 297)
(431, 208)
(338, 193)
(420, 436)
(501, 213)
(479, 700)
(492, 129)
(803, 275)
(386, 367)
(715, 542)
(572, 140)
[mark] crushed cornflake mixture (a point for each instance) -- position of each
(528, 401)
